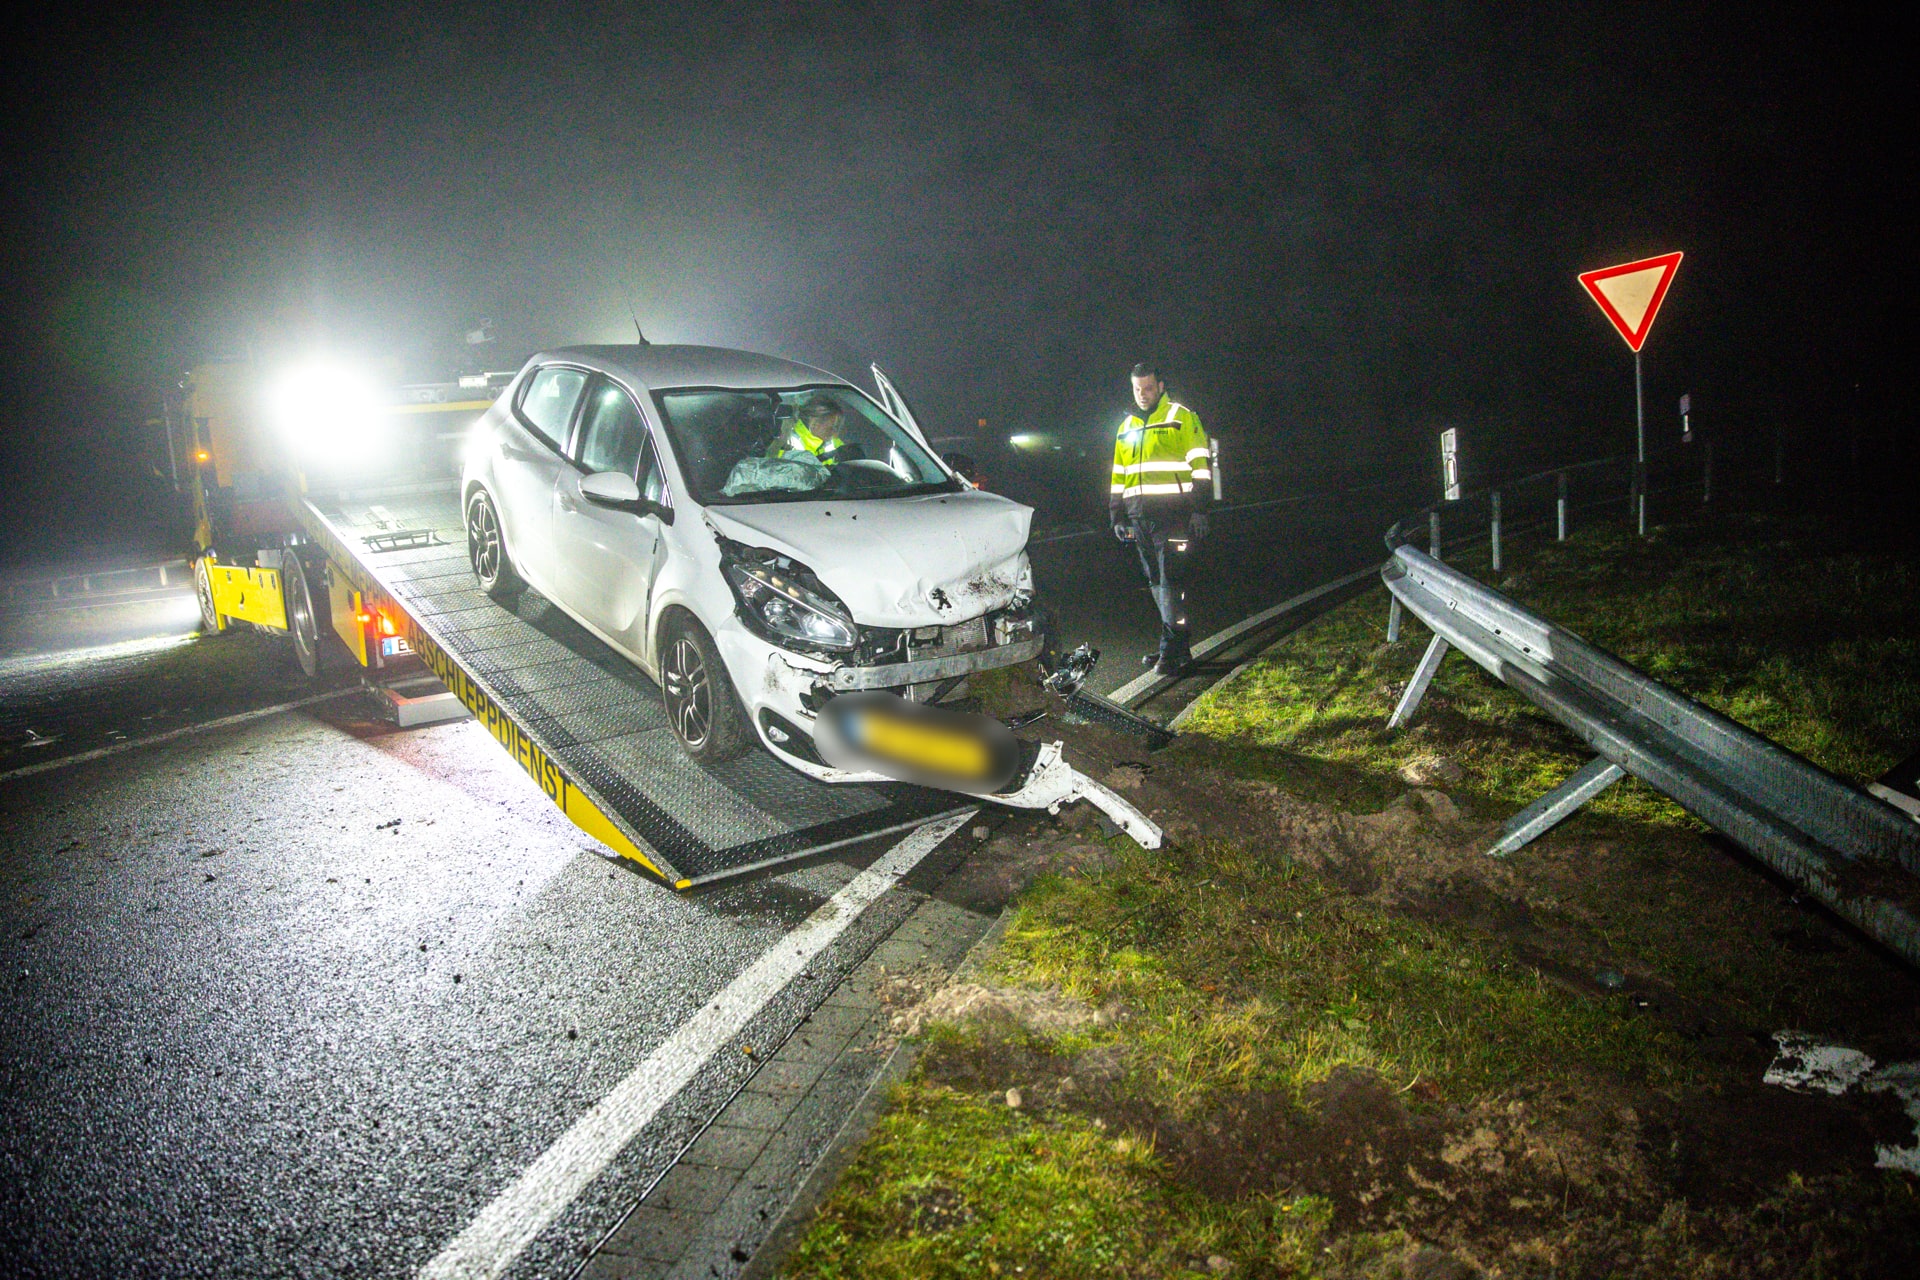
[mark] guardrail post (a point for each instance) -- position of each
(1706, 474)
(1417, 687)
(1494, 533)
(1393, 620)
(1560, 508)
(1537, 818)
(1433, 534)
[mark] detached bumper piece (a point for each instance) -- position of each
(1052, 782)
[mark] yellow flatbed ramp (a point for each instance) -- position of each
(587, 726)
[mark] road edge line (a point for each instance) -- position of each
(100, 753)
(501, 1231)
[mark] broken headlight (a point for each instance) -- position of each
(797, 614)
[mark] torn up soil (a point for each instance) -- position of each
(1321, 1032)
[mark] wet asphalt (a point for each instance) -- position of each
(299, 996)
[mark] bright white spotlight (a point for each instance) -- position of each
(326, 411)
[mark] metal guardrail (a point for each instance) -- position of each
(1845, 846)
(104, 586)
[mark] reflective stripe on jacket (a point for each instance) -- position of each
(1158, 458)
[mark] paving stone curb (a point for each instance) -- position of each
(799, 1213)
(741, 1194)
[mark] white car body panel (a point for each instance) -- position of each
(900, 562)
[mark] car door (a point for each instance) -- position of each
(531, 447)
(606, 557)
(896, 405)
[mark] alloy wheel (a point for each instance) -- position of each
(689, 692)
(483, 538)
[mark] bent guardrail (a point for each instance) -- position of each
(1846, 847)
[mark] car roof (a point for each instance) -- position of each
(659, 367)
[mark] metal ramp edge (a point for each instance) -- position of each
(591, 790)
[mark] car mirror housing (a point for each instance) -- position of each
(610, 489)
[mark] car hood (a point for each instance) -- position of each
(899, 562)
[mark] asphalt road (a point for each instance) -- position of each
(300, 995)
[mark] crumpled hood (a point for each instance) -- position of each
(899, 562)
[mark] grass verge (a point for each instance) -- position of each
(1322, 1034)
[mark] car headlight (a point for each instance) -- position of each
(789, 611)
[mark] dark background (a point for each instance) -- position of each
(1342, 228)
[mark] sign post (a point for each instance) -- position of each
(1630, 295)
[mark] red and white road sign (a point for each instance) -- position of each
(1632, 292)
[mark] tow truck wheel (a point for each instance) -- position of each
(487, 549)
(701, 705)
(301, 624)
(203, 589)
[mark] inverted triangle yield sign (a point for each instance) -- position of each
(1631, 293)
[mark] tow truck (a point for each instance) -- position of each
(365, 558)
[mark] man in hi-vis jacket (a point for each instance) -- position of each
(1162, 479)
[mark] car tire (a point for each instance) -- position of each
(303, 624)
(487, 549)
(702, 708)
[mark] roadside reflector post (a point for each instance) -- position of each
(1433, 534)
(1560, 507)
(1494, 531)
(1450, 464)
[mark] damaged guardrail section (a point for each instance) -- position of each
(1858, 854)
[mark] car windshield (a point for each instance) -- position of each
(793, 444)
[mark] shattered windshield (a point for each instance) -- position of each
(795, 444)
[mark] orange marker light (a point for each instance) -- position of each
(386, 626)
(201, 455)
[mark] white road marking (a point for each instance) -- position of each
(503, 1230)
(169, 735)
(1139, 685)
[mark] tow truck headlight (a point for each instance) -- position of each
(789, 611)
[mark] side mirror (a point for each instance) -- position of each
(610, 489)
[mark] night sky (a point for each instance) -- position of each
(1340, 227)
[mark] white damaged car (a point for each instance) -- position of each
(762, 539)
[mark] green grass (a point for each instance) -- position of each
(1230, 973)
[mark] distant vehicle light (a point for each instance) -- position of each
(201, 455)
(1024, 440)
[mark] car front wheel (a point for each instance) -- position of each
(701, 705)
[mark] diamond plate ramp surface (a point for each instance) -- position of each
(601, 719)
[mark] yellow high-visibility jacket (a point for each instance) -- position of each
(798, 436)
(1160, 462)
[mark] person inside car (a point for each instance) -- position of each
(816, 430)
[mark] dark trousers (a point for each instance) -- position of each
(1162, 544)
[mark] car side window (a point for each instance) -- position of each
(612, 434)
(548, 402)
(653, 485)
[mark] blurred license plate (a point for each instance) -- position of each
(933, 746)
(394, 646)
(923, 746)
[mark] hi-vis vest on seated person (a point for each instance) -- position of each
(1158, 458)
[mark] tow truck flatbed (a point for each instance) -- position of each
(584, 723)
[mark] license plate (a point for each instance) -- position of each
(922, 746)
(933, 746)
(394, 646)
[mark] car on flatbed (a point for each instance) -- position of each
(758, 536)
